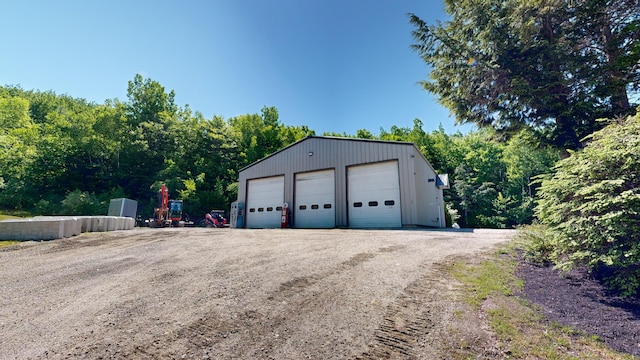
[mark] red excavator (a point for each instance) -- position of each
(168, 213)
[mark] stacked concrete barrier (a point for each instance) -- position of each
(85, 223)
(112, 223)
(128, 223)
(56, 227)
(30, 229)
(71, 225)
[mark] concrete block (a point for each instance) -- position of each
(71, 225)
(100, 223)
(123, 207)
(130, 223)
(9, 230)
(85, 223)
(50, 230)
(32, 229)
(127, 223)
(95, 223)
(89, 221)
(119, 220)
(112, 223)
(56, 227)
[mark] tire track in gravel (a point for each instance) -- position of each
(200, 337)
(415, 324)
(257, 294)
(298, 284)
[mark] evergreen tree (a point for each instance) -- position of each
(554, 66)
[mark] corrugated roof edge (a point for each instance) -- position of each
(338, 138)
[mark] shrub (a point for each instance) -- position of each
(450, 215)
(591, 205)
(45, 207)
(81, 203)
(537, 243)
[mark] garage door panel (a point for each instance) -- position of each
(264, 198)
(374, 195)
(315, 200)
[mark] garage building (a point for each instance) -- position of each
(328, 182)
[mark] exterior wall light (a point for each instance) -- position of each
(310, 153)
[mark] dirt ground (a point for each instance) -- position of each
(578, 300)
(231, 293)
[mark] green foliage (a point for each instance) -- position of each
(13, 215)
(490, 277)
(189, 190)
(18, 137)
(591, 205)
(451, 215)
(519, 328)
(51, 144)
(478, 178)
(232, 190)
(64, 155)
(537, 243)
(4, 243)
(45, 207)
(491, 180)
(553, 66)
(81, 203)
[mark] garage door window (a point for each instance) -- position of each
(357, 204)
(302, 207)
(373, 203)
(327, 206)
(389, 202)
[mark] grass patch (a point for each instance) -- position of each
(4, 243)
(518, 329)
(489, 278)
(13, 214)
(7, 217)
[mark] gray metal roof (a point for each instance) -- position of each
(341, 139)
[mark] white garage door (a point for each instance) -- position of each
(374, 195)
(264, 202)
(315, 200)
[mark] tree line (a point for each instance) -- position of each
(64, 155)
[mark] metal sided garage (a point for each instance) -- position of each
(329, 182)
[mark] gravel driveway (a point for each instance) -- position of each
(230, 293)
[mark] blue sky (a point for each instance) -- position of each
(335, 66)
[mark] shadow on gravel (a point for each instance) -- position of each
(578, 300)
(422, 228)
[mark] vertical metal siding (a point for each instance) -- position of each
(339, 154)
